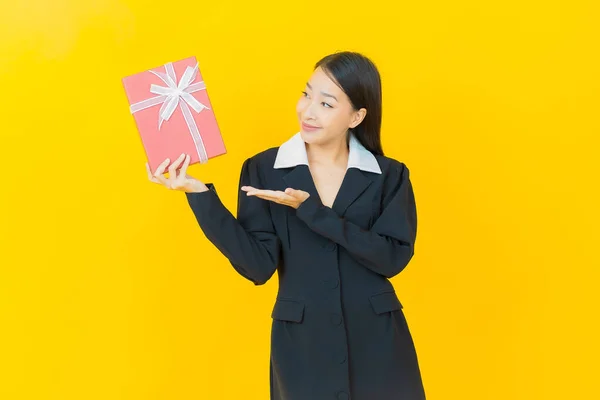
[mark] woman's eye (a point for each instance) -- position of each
(323, 103)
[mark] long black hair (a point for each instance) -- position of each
(359, 78)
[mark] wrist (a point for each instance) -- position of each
(196, 187)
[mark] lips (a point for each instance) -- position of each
(308, 127)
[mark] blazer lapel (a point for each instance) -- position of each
(300, 178)
(354, 184)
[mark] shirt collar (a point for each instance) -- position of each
(293, 152)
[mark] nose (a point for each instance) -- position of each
(307, 112)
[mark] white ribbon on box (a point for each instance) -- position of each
(177, 94)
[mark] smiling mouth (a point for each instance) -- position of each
(310, 126)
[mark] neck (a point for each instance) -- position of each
(334, 152)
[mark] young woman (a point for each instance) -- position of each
(336, 219)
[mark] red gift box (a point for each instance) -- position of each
(173, 113)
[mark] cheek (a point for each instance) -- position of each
(333, 118)
(301, 105)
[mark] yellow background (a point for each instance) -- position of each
(108, 288)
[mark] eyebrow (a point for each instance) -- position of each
(323, 93)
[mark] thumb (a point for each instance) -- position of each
(298, 194)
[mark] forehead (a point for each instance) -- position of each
(319, 80)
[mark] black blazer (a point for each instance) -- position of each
(338, 331)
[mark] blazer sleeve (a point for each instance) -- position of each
(388, 246)
(250, 241)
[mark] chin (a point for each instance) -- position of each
(310, 137)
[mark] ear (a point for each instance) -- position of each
(357, 117)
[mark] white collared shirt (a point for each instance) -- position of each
(293, 152)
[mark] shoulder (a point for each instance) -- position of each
(392, 168)
(262, 160)
(395, 178)
(255, 169)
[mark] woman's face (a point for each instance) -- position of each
(324, 110)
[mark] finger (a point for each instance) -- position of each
(178, 180)
(175, 165)
(261, 195)
(159, 174)
(277, 200)
(279, 195)
(265, 192)
(248, 188)
(184, 167)
(163, 180)
(298, 194)
(150, 176)
(276, 196)
(161, 168)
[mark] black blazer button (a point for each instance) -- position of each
(343, 396)
(331, 246)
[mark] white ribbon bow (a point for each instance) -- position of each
(175, 94)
